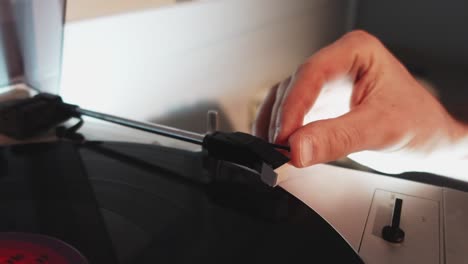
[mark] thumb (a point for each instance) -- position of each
(330, 139)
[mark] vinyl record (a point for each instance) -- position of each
(27, 248)
(134, 203)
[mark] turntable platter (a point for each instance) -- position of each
(136, 203)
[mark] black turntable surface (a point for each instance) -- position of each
(134, 203)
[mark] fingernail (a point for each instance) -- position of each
(306, 152)
(275, 135)
(253, 129)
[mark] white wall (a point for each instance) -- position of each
(150, 64)
(31, 42)
(10, 56)
(39, 26)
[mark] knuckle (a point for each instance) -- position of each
(359, 34)
(362, 38)
(343, 141)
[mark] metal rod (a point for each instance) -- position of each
(212, 122)
(148, 127)
(167, 131)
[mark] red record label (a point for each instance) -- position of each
(22, 248)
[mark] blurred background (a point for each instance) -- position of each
(430, 37)
(170, 61)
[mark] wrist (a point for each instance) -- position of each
(464, 130)
(451, 159)
(461, 130)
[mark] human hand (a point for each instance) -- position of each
(389, 120)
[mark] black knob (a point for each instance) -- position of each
(394, 233)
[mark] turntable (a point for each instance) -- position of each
(114, 192)
(118, 202)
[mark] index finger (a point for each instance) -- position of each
(351, 55)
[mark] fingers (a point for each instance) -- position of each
(263, 117)
(281, 93)
(347, 56)
(331, 139)
(264, 125)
